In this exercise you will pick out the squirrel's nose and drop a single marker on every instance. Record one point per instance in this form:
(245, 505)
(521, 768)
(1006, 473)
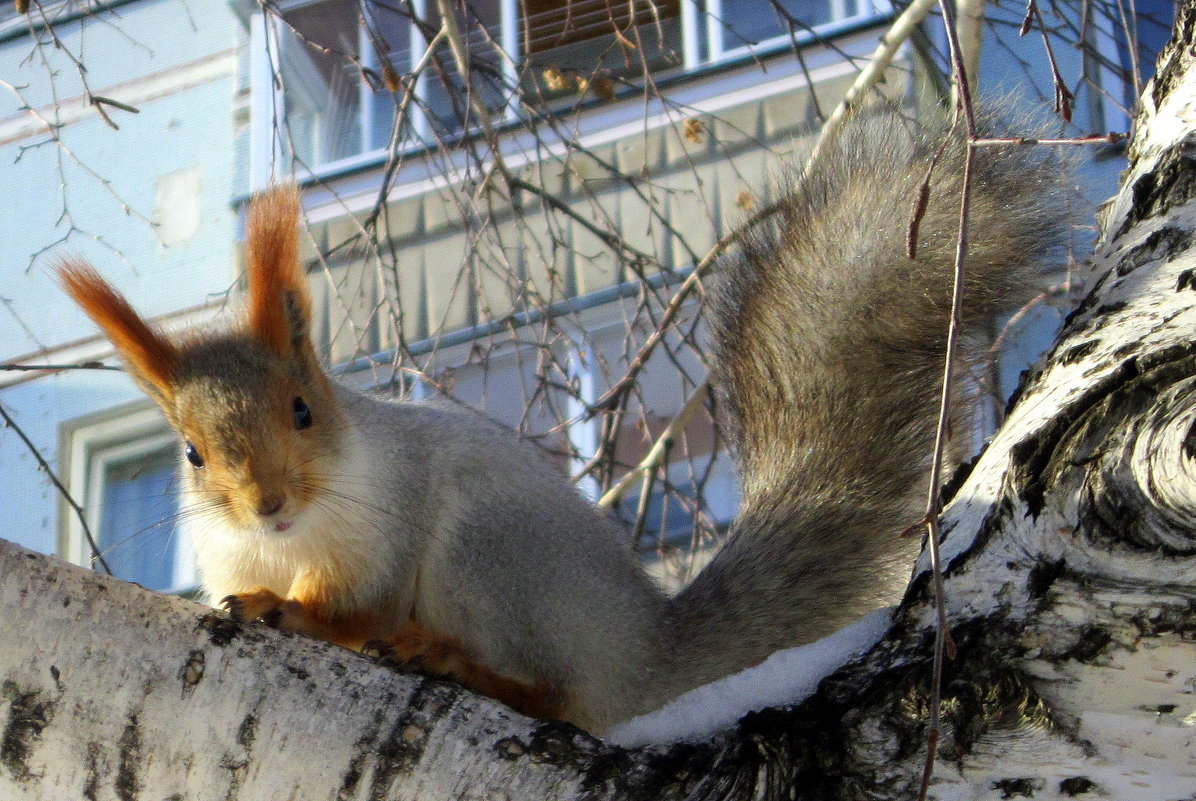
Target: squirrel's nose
(269, 504)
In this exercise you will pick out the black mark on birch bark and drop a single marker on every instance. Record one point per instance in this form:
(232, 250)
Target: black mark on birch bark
(1022, 787)
(220, 630)
(127, 784)
(1076, 785)
(1158, 245)
(363, 748)
(400, 752)
(91, 782)
(191, 673)
(29, 712)
(1077, 352)
(1169, 185)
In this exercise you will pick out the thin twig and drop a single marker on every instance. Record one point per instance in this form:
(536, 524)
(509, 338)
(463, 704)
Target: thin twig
(942, 635)
(96, 556)
(1063, 95)
(1110, 138)
(969, 27)
(54, 367)
(660, 448)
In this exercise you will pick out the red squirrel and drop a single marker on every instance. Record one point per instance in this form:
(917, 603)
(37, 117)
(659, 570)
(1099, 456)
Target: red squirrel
(353, 518)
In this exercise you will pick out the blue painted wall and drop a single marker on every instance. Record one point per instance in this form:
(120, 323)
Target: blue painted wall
(147, 47)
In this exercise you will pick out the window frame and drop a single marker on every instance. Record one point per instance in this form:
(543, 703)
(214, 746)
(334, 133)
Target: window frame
(1113, 100)
(89, 446)
(841, 20)
(723, 497)
(51, 13)
(698, 25)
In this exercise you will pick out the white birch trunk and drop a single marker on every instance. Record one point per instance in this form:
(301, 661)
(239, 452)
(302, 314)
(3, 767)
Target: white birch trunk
(1071, 589)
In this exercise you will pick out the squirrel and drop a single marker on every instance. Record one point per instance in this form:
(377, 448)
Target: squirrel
(420, 531)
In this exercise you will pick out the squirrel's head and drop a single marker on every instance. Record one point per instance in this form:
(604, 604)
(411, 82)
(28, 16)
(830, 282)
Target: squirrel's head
(261, 431)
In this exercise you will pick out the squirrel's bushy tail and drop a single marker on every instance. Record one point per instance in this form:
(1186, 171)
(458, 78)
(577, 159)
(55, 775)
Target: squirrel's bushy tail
(831, 343)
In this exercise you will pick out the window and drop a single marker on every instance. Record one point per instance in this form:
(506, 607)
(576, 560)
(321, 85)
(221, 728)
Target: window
(323, 93)
(1119, 55)
(736, 27)
(1149, 26)
(673, 543)
(579, 37)
(339, 62)
(123, 472)
(341, 59)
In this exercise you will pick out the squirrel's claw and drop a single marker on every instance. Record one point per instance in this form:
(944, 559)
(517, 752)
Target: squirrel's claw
(235, 608)
(258, 604)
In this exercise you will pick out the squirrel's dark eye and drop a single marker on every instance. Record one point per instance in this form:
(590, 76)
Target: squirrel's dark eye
(193, 455)
(302, 415)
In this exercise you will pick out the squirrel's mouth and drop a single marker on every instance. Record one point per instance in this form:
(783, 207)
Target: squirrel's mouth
(282, 525)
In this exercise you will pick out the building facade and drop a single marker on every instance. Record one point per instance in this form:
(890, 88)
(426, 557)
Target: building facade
(511, 240)
(143, 195)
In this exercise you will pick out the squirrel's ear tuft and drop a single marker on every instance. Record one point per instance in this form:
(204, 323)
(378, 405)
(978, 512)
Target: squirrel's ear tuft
(279, 304)
(150, 357)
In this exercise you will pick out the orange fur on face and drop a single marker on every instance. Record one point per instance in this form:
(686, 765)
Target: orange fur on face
(149, 355)
(279, 305)
(251, 448)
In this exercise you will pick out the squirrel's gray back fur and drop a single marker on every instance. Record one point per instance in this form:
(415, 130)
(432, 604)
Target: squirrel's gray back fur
(830, 343)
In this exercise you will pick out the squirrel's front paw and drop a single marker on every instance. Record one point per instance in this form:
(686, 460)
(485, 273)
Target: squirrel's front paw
(256, 604)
